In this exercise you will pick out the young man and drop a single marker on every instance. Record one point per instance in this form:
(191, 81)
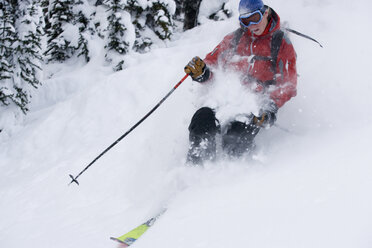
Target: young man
(270, 69)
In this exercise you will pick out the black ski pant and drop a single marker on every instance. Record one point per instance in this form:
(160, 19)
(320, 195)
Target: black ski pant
(236, 140)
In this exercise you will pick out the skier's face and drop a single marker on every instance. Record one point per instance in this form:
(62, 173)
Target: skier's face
(259, 28)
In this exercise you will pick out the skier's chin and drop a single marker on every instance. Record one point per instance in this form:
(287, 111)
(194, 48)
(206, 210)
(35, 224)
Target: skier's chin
(256, 31)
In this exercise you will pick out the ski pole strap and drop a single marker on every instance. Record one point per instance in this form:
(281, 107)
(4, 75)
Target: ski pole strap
(303, 35)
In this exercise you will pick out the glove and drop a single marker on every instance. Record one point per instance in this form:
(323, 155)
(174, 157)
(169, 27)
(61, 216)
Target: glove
(266, 118)
(197, 69)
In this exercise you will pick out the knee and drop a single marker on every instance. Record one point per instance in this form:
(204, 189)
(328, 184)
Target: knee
(237, 128)
(238, 138)
(241, 131)
(204, 122)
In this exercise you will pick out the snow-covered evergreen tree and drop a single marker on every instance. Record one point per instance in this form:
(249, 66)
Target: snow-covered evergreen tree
(160, 18)
(13, 88)
(137, 11)
(45, 7)
(68, 28)
(28, 50)
(118, 43)
(62, 34)
(20, 54)
(152, 19)
(7, 39)
(82, 19)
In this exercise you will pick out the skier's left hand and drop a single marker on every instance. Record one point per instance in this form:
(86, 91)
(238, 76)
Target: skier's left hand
(266, 118)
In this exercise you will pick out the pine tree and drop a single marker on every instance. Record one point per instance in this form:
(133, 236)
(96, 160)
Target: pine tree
(83, 22)
(20, 53)
(62, 34)
(117, 40)
(138, 13)
(8, 38)
(28, 49)
(154, 16)
(45, 7)
(160, 19)
(69, 27)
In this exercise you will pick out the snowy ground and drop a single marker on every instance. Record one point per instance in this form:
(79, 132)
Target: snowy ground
(310, 187)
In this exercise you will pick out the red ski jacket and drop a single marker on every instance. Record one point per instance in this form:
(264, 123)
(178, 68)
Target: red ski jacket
(250, 55)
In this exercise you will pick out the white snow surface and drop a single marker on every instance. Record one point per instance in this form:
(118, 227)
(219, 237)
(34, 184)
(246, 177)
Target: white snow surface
(309, 187)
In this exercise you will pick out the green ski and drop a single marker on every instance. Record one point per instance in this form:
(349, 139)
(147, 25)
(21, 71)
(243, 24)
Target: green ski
(130, 237)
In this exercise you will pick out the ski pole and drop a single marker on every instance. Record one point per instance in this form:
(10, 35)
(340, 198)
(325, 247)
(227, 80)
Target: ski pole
(303, 35)
(74, 179)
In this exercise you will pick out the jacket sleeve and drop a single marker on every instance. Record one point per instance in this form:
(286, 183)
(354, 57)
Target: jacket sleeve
(286, 79)
(213, 58)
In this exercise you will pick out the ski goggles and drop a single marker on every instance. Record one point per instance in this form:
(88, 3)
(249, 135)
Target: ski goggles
(254, 17)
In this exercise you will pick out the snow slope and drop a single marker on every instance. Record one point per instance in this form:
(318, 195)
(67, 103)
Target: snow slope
(310, 187)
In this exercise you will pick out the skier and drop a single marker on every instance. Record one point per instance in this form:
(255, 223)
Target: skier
(266, 61)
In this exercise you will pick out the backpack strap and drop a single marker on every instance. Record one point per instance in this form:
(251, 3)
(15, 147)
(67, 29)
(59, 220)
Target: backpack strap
(237, 36)
(276, 42)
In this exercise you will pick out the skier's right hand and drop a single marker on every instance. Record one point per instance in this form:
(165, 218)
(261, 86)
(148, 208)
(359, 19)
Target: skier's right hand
(197, 69)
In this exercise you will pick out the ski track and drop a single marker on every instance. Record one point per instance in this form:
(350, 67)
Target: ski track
(309, 187)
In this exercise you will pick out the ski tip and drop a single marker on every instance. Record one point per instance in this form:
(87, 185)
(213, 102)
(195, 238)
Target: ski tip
(73, 180)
